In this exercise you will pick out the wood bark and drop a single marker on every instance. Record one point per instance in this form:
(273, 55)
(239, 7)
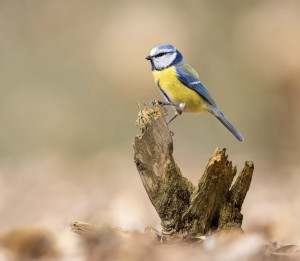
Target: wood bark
(184, 209)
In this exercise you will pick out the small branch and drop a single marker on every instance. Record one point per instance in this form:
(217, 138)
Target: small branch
(82, 228)
(92, 232)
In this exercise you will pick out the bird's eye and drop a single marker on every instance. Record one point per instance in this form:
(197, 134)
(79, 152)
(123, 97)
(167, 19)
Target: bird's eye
(160, 54)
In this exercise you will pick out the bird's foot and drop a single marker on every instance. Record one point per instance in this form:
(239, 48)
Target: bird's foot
(152, 102)
(162, 104)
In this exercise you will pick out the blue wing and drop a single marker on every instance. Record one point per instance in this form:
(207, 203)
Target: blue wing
(194, 84)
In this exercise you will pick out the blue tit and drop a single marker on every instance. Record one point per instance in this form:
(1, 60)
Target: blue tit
(180, 85)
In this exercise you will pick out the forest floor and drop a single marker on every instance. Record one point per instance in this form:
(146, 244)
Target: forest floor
(41, 197)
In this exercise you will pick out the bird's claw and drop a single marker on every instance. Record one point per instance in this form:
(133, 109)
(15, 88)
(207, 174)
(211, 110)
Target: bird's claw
(172, 133)
(166, 110)
(161, 104)
(152, 102)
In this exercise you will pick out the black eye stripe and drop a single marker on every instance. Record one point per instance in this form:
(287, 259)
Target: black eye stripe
(160, 54)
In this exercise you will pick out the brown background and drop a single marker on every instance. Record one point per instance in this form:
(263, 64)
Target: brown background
(71, 73)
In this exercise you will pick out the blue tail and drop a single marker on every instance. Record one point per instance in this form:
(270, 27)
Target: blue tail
(226, 123)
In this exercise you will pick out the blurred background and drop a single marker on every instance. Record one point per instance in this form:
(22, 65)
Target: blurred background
(72, 72)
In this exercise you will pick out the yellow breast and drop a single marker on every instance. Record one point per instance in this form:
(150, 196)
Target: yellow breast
(168, 81)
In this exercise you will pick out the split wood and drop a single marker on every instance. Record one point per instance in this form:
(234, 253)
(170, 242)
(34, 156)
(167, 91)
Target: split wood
(185, 210)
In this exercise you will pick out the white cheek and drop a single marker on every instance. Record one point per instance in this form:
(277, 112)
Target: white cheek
(164, 61)
(172, 57)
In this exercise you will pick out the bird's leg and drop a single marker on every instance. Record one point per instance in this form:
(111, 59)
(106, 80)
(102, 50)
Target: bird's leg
(163, 104)
(159, 102)
(172, 118)
(179, 109)
(165, 109)
(177, 113)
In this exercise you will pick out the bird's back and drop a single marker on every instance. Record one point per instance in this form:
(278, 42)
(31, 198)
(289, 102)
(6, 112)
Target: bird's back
(188, 69)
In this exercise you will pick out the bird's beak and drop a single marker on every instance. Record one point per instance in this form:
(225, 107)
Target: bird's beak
(148, 57)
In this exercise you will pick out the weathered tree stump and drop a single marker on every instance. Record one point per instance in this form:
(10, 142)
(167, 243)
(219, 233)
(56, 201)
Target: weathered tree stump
(186, 210)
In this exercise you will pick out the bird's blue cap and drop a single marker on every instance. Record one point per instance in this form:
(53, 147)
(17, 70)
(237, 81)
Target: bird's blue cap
(166, 46)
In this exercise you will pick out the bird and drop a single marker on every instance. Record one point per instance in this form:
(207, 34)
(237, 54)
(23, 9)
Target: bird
(180, 86)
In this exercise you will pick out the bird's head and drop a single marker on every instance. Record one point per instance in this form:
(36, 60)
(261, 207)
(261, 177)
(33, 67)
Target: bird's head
(164, 56)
